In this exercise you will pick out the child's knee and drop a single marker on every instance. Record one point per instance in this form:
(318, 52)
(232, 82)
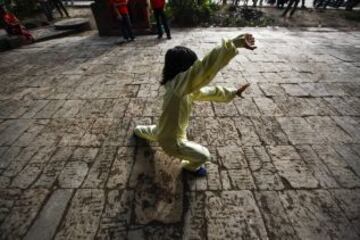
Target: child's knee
(206, 156)
(137, 131)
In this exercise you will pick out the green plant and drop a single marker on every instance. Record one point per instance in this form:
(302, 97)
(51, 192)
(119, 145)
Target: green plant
(21, 8)
(191, 12)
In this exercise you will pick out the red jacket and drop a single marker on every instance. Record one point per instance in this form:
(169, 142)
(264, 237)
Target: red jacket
(10, 19)
(157, 4)
(121, 6)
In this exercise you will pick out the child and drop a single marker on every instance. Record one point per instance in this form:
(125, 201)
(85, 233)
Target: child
(185, 78)
(122, 13)
(158, 8)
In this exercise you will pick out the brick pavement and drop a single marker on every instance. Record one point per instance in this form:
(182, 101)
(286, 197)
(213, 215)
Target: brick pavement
(286, 158)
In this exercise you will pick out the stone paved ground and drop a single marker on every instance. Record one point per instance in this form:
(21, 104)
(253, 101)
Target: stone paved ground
(286, 158)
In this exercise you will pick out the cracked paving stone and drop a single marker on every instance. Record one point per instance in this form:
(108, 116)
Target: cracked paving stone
(272, 89)
(156, 232)
(31, 133)
(83, 216)
(50, 109)
(202, 109)
(320, 170)
(24, 211)
(266, 176)
(69, 109)
(292, 168)
(293, 106)
(54, 167)
(121, 168)
(231, 157)
(350, 156)
(315, 215)
(15, 129)
(225, 109)
(97, 133)
(158, 188)
(46, 223)
(7, 201)
(247, 132)
(299, 131)
(8, 156)
(327, 128)
(343, 106)
(153, 107)
(116, 216)
(340, 169)
(213, 177)
(294, 90)
(348, 201)
(269, 131)
(99, 172)
(233, 215)
(351, 125)
(278, 224)
(246, 107)
(33, 168)
(195, 224)
(268, 107)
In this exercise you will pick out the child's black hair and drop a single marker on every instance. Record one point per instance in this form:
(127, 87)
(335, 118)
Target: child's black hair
(177, 60)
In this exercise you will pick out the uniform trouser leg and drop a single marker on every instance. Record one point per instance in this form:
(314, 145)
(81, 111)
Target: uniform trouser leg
(295, 7)
(291, 2)
(164, 22)
(126, 27)
(56, 5)
(61, 6)
(47, 10)
(193, 155)
(158, 23)
(147, 132)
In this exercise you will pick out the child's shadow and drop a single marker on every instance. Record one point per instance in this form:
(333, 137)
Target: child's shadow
(158, 187)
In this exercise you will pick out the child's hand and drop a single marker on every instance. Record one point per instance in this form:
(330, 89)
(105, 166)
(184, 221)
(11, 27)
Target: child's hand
(245, 41)
(242, 89)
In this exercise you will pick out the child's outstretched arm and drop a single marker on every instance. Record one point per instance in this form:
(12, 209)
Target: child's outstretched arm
(218, 94)
(203, 71)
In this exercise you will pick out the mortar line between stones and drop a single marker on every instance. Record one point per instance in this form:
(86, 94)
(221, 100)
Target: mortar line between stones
(27, 162)
(261, 214)
(63, 217)
(322, 161)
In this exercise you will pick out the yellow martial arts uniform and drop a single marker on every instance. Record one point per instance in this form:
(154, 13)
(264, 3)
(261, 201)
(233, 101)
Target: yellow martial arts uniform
(180, 94)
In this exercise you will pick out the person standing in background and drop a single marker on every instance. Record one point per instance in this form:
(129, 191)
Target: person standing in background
(60, 7)
(289, 6)
(122, 13)
(46, 8)
(158, 8)
(13, 26)
(69, 1)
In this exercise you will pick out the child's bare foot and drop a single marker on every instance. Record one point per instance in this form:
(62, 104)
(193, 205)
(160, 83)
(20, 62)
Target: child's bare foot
(242, 89)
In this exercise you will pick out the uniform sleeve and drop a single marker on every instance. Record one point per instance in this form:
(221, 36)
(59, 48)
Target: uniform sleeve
(216, 94)
(202, 72)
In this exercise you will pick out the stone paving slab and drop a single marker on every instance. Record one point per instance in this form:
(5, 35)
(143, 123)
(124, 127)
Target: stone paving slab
(285, 158)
